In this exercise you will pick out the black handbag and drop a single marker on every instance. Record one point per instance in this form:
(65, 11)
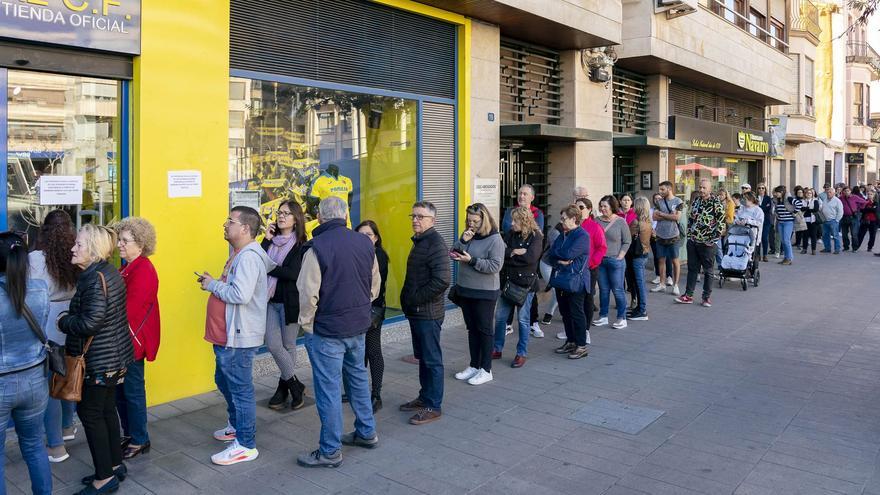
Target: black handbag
(635, 247)
(377, 316)
(54, 351)
(454, 296)
(515, 293)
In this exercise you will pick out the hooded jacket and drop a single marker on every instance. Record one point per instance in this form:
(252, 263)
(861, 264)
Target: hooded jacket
(246, 294)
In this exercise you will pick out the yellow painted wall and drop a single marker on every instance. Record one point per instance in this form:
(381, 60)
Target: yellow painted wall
(180, 122)
(824, 72)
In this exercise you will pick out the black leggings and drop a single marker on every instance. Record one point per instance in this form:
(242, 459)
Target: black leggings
(809, 237)
(97, 411)
(479, 316)
(868, 228)
(373, 357)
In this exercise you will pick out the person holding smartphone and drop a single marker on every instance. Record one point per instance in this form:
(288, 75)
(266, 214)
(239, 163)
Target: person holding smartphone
(480, 254)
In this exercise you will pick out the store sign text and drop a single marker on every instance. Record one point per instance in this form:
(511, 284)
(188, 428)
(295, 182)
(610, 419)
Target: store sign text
(111, 25)
(706, 145)
(753, 143)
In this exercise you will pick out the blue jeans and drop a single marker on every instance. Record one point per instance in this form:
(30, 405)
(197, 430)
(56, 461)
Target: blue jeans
(131, 402)
(766, 241)
(59, 415)
(331, 359)
(641, 283)
(426, 348)
(23, 398)
(234, 377)
(785, 230)
(830, 228)
(502, 311)
(611, 273)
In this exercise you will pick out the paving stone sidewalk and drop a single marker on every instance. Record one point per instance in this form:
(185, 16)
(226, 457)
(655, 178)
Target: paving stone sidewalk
(773, 390)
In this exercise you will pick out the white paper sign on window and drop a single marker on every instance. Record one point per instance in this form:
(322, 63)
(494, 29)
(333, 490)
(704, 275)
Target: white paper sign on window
(487, 191)
(61, 189)
(185, 184)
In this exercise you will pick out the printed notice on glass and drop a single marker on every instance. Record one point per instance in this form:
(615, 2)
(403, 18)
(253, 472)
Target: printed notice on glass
(61, 189)
(185, 184)
(487, 191)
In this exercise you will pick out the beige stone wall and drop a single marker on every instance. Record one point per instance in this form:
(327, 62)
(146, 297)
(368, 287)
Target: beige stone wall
(599, 17)
(706, 43)
(485, 99)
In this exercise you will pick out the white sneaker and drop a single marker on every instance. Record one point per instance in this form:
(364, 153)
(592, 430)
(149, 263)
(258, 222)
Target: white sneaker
(675, 291)
(233, 454)
(619, 324)
(700, 277)
(57, 454)
(561, 336)
(656, 280)
(598, 322)
(659, 288)
(668, 280)
(536, 331)
(467, 374)
(777, 255)
(226, 434)
(508, 330)
(69, 433)
(481, 377)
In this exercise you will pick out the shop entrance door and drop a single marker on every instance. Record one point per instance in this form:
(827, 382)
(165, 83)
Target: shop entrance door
(524, 163)
(59, 125)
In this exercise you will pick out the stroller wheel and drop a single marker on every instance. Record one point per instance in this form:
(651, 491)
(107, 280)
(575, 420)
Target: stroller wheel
(720, 281)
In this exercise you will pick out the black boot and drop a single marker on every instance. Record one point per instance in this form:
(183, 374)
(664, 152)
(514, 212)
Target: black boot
(296, 392)
(377, 401)
(279, 400)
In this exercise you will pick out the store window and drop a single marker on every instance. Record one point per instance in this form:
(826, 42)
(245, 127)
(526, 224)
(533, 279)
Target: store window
(62, 126)
(723, 172)
(305, 144)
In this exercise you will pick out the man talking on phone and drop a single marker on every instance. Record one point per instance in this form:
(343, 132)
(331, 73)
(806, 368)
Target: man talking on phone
(236, 325)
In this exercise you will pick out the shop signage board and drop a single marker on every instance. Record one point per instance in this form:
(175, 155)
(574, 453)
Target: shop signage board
(108, 25)
(721, 138)
(61, 190)
(488, 192)
(855, 158)
(185, 184)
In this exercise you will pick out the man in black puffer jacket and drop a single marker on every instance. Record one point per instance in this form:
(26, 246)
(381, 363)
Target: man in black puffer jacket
(427, 278)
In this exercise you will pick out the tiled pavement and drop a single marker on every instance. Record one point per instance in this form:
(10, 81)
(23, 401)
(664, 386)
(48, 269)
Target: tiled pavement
(773, 390)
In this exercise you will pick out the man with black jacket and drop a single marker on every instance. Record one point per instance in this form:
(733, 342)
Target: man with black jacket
(427, 278)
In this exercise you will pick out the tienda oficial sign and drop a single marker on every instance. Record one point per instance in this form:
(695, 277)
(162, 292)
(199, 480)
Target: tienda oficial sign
(108, 25)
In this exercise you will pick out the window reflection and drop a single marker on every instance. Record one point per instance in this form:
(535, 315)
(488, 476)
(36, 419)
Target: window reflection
(723, 172)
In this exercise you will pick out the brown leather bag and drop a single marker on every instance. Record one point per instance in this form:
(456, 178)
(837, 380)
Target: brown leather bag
(69, 386)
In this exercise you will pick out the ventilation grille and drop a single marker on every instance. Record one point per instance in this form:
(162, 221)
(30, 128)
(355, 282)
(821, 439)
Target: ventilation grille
(438, 165)
(344, 41)
(531, 84)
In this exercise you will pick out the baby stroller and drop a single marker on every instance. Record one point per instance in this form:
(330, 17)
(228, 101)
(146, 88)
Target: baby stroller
(741, 259)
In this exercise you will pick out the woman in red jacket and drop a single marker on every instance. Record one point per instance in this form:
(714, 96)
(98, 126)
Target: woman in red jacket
(137, 241)
(598, 248)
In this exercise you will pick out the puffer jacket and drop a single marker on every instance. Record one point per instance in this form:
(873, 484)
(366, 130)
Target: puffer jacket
(427, 277)
(105, 318)
(521, 269)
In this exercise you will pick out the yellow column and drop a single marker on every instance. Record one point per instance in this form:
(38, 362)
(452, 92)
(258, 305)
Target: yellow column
(180, 122)
(824, 72)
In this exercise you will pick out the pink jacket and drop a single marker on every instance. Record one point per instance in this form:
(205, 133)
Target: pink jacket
(598, 247)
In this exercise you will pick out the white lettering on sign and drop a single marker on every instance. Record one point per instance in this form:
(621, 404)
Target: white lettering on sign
(57, 17)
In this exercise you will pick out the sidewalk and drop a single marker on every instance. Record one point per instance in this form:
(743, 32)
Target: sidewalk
(773, 390)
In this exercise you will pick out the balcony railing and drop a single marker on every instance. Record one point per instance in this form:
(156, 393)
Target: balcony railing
(799, 110)
(732, 16)
(805, 17)
(860, 52)
(630, 103)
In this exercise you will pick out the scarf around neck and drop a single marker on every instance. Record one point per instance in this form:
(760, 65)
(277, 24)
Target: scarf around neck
(280, 248)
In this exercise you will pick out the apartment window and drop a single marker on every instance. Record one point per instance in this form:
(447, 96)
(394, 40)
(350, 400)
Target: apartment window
(777, 33)
(858, 107)
(792, 173)
(827, 171)
(236, 90)
(236, 119)
(809, 77)
(757, 25)
(728, 10)
(325, 123)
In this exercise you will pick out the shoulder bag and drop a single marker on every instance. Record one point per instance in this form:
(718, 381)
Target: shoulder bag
(635, 247)
(681, 234)
(69, 386)
(54, 351)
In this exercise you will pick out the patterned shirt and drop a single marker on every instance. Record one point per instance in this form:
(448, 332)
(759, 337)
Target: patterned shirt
(706, 220)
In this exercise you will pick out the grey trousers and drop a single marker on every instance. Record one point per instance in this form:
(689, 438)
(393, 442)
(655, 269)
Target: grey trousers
(281, 340)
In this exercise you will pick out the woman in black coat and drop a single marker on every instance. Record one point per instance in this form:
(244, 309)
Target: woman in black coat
(373, 343)
(283, 243)
(96, 324)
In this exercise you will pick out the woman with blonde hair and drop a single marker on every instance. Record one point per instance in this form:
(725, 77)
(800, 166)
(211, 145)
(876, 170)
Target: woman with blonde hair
(96, 326)
(136, 243)
(480, 254)
(524, 243)
(638, 255)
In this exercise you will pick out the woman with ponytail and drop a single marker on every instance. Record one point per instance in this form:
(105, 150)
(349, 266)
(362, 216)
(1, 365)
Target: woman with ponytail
(24, 388)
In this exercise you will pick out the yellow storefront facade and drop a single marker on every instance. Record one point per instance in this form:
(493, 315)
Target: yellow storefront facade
(168, 104)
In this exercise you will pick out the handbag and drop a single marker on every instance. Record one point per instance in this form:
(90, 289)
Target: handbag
(454, 296)
(515, 293)
(635, 247)
(377, 316)
(568, 281)
(69, 386)
(134, 334)
(54, 351)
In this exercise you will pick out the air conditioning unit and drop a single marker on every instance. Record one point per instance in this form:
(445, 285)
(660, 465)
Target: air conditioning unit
(676, 8)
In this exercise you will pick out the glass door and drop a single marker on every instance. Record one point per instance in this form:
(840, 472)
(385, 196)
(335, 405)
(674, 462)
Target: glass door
(58, 125)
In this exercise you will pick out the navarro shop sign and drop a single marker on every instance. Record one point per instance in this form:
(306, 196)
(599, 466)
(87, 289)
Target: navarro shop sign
(753, 143)
(108, 25)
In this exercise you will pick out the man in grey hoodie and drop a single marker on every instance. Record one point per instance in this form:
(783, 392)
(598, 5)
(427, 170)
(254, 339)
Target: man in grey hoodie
(236, 325)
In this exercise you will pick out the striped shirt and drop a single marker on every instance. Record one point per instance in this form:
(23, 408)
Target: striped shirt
(782, 212)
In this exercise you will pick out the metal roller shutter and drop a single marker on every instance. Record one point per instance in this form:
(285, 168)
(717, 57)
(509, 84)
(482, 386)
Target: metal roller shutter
(344, 41)
(438, 165)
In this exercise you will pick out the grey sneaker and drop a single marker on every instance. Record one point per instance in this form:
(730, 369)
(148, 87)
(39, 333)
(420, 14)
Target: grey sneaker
(317, 459)
(355, 440)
